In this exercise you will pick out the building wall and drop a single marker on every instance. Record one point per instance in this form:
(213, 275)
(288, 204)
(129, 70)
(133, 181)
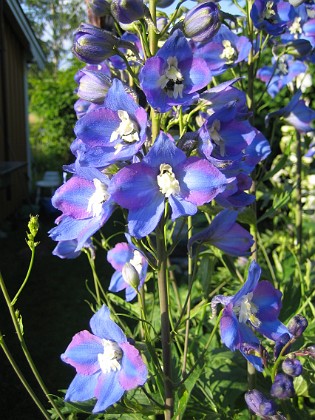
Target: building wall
(13, 135)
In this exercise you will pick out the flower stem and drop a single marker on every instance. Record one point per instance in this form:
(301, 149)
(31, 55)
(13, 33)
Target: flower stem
(26, 277)
(298, 216)
(26, 352)
(165, 322)
(22, 379)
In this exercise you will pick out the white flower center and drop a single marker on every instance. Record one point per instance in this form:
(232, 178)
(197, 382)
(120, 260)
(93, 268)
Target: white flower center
(109, 360)
(269, 12)
(172, 80)
(215, 136)
(282, 68)
(229, 52)
(166, 180)
(128, 130)
(295, 29)
(97, 199)
(246, 310)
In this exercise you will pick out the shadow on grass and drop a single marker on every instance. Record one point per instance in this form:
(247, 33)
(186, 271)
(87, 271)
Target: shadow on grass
(53, 309)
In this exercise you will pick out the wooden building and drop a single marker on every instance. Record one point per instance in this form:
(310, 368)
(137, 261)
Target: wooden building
(18, 47)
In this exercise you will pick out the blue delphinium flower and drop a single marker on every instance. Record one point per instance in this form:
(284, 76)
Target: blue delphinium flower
(272, 16)
(255, 306)
(112, 132)
(173, 76)
(225, 234)
(296, 113)
(106, 364)
(85, 205)
(165, 173)
(283, 71)
(126, 253)
(225, 50)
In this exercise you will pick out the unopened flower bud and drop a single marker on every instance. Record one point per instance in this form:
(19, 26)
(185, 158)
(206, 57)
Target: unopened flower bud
(130, 275)
(297, 325)
(298, 48)
(202, 22)
(33, 225)
(93, 86)
(292, 367)
(127, 11)
(164, 3)
(259, 404)
(282, 387)
(93, 45)
(99, 7)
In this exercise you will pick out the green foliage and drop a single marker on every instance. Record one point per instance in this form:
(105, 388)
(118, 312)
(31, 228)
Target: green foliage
(52, 118)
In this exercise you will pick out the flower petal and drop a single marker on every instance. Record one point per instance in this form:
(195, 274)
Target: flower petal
(108, 391)
(82, 353)
(134, 371)
(82, 388)
(104, 327)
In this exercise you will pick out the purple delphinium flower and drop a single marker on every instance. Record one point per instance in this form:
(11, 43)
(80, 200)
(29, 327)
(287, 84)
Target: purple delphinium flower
(121, 254)
(164, 173)
(297, 114)
(85, 205)
(297, 325)
(173, 76)
(282, 72)
(118, 62)
(282, 387)
(225, 234)
(225, 50)
(114, 131)
(255, 306)
(272, 16)
(106, 364)
(259, 404)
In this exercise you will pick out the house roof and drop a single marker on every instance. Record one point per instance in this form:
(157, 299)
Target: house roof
(21, 25)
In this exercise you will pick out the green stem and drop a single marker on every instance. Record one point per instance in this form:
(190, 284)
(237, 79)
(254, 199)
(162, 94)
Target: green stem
(165, 322)
(22, 379)
(190, 273)
(97, 285)
(24, 347)
(26, 277)
(298, 215)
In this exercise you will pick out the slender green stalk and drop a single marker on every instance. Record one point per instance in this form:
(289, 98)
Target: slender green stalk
(190, 273)
(298, 215)
(26, 277)
(97, 285)
(165, 321)
(22, 379)
(24, 347)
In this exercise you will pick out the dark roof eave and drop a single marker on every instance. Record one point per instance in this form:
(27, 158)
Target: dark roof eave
(28, 33)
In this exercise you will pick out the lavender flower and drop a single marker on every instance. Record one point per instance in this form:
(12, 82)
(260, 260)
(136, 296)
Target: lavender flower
(272, 16)
(292, 367)
(255, 306)
(121, 257)
(106, 364)
(173, 76)
(164, 174)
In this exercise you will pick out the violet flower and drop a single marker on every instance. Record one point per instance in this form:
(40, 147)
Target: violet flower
(126, 253)
(272, 16)
(114, 131)
(282, 387)
(225, 234)
(296, 113)
(255, 306)
(106, 364)
(173, 76)
(165, 173)
(85, 205)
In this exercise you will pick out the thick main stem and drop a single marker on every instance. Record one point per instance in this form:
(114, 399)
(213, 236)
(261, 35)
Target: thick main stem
(165, 323)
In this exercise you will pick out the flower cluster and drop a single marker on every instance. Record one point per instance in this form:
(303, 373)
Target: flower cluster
(160, 136)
